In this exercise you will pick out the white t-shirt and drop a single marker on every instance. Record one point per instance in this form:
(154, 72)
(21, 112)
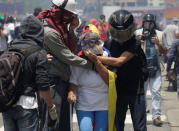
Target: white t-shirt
(8, 28)
(27, 102)
(92, 92)
(170, 35)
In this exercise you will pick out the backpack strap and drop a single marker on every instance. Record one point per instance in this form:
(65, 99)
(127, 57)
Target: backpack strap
(26, 51)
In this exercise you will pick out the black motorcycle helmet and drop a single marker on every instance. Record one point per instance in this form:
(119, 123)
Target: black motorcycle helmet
(148, 24)
(121, 25)
(149, 18)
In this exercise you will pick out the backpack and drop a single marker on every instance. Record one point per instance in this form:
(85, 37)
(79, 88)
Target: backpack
(11, 68)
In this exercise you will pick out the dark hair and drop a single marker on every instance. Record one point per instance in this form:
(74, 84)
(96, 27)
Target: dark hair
(37, 11)
(10, 19)
(102, 17)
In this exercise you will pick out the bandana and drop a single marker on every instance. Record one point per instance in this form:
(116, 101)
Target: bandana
(59, 19)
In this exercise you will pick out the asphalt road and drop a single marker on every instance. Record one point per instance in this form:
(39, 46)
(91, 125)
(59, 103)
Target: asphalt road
(170, 112)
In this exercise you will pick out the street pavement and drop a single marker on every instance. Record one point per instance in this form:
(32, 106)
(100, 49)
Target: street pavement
(170, 112)
(169, 107)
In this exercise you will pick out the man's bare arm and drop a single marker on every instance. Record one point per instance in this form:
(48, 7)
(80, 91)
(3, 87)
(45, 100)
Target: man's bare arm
(117, 62)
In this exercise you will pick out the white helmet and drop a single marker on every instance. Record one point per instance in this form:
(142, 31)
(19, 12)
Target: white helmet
(70, 5)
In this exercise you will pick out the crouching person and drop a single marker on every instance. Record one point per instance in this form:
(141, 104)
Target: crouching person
(23, 115)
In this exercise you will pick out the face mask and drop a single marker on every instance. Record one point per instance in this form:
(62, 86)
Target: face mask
(97, 49)
(147, 29)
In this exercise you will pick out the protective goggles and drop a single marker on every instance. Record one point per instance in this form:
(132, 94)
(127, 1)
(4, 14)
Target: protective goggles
(86, 44)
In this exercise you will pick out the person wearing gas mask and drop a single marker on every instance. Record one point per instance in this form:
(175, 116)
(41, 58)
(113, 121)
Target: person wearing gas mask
(126, 58)
(151, 42)
(89, 88)
(60, 41)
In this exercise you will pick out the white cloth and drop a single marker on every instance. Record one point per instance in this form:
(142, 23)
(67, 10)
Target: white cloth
(27, 102)
(8, 29)
(170, 35)
(92, 92)
(159, 34)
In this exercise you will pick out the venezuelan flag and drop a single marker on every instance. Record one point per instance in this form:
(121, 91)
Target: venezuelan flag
(112, 101)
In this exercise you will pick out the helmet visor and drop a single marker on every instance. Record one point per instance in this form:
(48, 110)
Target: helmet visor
(122, 36)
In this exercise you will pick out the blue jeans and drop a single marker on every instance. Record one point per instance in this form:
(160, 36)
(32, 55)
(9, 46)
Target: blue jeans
(154, 85)
(138, 112)
(86, 118)
(19, 119)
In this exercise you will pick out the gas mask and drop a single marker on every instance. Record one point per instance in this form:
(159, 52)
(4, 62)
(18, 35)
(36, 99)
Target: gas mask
(95, 47)
(148, 29)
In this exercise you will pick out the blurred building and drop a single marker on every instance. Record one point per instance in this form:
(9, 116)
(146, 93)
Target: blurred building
(121, 2)
(172, 3)
(156, 2)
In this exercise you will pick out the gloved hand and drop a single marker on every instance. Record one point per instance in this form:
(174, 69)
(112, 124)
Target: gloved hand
(53, 116)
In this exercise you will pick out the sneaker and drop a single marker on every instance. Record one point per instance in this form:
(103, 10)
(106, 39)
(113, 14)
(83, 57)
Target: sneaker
(157, 122)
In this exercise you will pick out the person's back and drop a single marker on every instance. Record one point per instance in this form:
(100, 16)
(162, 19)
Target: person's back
(170, 34)
(34, 78)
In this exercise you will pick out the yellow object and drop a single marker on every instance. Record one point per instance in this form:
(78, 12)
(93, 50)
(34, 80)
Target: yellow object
(112, 101)
(93, 28)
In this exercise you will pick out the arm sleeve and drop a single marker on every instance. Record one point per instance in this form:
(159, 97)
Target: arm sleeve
(42, 79)
(171, 53)
(56, 47)
(132, 47)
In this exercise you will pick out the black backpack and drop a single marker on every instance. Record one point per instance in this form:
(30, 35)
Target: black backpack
(11, 68)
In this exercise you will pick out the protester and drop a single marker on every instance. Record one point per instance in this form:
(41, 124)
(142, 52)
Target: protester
(93, 21)
(130, 81)
(103, 28)
(173, 56)
(90, 89)
(3, 43)
(23, 116)
(170, 33)
(9, 28)
(151, 42)
(61, 42)
(37, 10)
